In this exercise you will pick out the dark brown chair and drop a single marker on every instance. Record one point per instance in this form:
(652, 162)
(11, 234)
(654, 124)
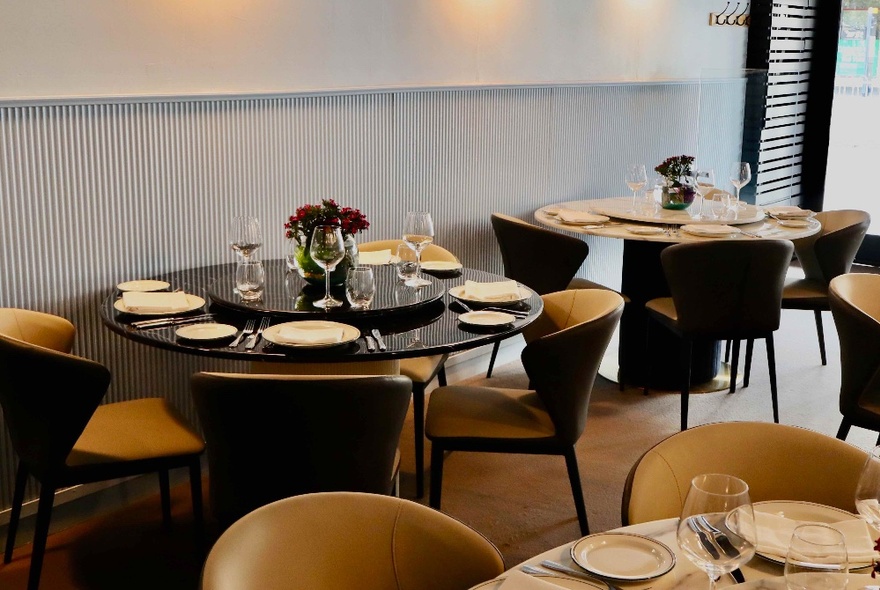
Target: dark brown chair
(62, 434)
(273, 436)
(824, 256)
(524, 253)
(855, 305)
(725, 289)
(561, 358)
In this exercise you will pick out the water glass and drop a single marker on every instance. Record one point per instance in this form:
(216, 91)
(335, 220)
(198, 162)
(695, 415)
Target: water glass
(816, 559)
(360, 286)
(407, 263)
(249, 279)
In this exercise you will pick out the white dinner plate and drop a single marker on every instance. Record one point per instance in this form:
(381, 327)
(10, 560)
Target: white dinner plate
(623, 556)
(207, 331)
(486, 318)
(580, 217)
(644, 230)
(794, 222)
(441, 265)
(349, 333)
(145, 285)
(789, 212)
(557, 580)
(706, 230)
(551, 210)
(194, 301)
(458, 293)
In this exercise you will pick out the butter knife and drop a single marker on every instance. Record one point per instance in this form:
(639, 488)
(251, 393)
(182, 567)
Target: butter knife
(158, 323)
(371, 344)
(378, 336)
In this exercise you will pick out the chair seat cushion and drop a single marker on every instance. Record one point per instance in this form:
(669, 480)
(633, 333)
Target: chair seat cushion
(472, 412)
(421, 369)
(135, 430)
(805, 294)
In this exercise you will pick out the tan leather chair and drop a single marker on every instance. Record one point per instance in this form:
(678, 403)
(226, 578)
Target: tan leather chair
(524, 249)
(422, 370)
(725, 289)
(341, 540)
(778, 462)
(64, 437)
(562, 355)
(824, 256)
(855, 304)
(316, 433)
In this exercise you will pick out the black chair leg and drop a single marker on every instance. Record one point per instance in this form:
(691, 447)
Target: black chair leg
(734, 366)
(492, 359)
(419, 432)
(195, 486)
(750, 347)
(820, 331)
(577, 491)
(15, 513)
(843, 431)
(441, 377)
(165, 495)
(771, 362)
(685, 352)
(41, 534)
(436, 475)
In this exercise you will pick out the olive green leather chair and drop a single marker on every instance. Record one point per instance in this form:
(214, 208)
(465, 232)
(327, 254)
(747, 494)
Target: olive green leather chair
(341, 540)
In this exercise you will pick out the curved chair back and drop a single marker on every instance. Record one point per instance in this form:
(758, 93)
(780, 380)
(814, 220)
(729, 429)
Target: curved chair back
(524, 253)
(327, 541)
(855, 305)
(317, 433)
(36, 327)
(731, 289)
(431, 251)
(43, 416)
(779, 462)
(830, 252)
(563, 362)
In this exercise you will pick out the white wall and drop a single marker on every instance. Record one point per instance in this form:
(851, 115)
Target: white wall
(96, 48)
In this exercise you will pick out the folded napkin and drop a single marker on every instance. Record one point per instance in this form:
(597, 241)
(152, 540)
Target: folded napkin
(517, 580)
(294, 335)
(716, 194)
(497, 291)
(570, 216)
(377, 257)
(155, 302)
(440, 265)
(709, 229)
(774, 535)
(788, 212)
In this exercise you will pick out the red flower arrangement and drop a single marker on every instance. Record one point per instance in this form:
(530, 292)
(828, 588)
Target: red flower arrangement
(674, 168)
(307, 217)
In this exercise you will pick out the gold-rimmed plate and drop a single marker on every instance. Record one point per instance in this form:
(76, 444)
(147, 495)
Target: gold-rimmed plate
(459, 293)
(194, 302)
(318, 327)
(623, 556)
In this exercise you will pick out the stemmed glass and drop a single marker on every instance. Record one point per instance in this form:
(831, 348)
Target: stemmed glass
(418, 232)
(816, 559)
(717, 507)
(327, 250)
(740, 175)
(636, 179)
(245, 236)
(705, 181)
(868, 489)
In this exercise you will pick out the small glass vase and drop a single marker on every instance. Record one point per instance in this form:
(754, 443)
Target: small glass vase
(677, 198)
(298, 258)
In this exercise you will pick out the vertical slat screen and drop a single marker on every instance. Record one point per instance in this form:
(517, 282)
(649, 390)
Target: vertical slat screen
(94, 194)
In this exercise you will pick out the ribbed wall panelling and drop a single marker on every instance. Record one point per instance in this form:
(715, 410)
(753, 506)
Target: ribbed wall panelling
(94, 194)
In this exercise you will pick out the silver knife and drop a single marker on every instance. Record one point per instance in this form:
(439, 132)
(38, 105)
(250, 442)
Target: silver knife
(158, 323)
(378, 336)
(371, 344)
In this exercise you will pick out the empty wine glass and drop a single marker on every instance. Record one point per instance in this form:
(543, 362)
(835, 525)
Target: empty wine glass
(418, 232)
(636, 179)
(816, 559)
(327, 250)
(740, 175)
(868, 489)
(717, 526)
(705, 181)
(245, 235)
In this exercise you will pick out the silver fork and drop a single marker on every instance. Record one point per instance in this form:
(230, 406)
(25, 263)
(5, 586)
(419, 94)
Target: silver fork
(252, 341)
(556, 566)
(248, 329)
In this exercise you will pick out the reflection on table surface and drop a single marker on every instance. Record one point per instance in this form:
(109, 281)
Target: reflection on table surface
(413, 322)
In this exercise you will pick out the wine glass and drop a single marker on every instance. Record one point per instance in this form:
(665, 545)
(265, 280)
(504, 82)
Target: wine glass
(705, 181)
(636, 179)
(717, 526)
(418, 232)
(868, 489)
(740, 175)
(327, 250)
(360, 286)
(816, 559)
(245, 235)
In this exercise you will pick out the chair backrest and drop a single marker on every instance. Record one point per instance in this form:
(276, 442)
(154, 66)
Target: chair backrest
(333, 540)
(543, 259)
(855, 304)
(47, 398)
(37, 327)
(562, 362)
(431, 252)
(777, 461)
(830, 252)
(727, 288)
(318, 433)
